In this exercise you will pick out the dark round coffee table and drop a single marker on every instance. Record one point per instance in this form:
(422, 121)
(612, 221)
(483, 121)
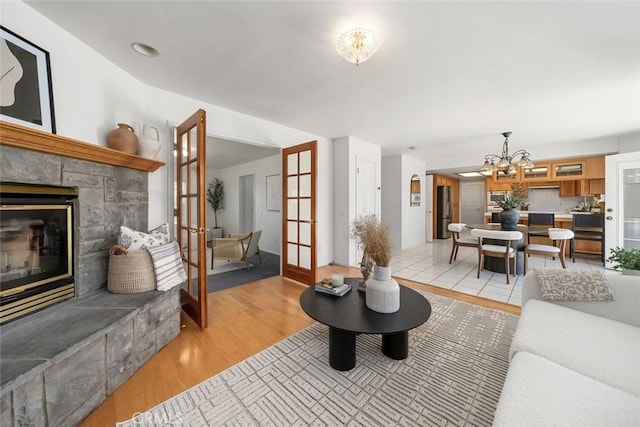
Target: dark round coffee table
(348, 315)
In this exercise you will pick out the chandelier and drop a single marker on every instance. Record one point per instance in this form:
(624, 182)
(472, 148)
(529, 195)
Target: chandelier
(504, 161)
(357, 45)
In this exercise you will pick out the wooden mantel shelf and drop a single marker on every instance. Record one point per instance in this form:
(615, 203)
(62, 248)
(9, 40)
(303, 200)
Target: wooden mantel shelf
(31, 139)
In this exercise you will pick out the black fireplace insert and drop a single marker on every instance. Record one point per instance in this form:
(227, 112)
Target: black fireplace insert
(36, 248)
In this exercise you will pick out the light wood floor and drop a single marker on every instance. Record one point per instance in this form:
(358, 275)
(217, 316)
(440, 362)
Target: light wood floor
(242, 321)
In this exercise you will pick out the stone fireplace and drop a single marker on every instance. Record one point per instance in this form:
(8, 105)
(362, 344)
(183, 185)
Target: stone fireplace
(36, 248)
(59, 363)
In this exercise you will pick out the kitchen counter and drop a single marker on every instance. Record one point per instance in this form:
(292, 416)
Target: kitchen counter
(562, 220)
(558, 215)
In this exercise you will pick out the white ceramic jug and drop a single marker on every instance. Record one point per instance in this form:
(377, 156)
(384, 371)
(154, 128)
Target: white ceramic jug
(149, 142)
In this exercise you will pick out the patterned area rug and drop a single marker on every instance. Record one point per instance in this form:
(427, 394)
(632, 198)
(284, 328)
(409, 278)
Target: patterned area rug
(453, 376)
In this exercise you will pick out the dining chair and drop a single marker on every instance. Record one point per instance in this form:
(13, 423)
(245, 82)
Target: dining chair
(456, 228)
(495, 217)
(497, 250)
(561, 235)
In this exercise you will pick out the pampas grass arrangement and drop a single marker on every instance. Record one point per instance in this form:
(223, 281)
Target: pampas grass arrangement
(374, 238)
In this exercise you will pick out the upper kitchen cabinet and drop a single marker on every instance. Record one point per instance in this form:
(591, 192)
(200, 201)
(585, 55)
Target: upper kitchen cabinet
(574, 169)
(595, 167)
(540, 172)
(499, 177)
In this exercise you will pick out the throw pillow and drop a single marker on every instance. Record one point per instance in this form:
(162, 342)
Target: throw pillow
(573, 285)
(168, 266)
(137, 240)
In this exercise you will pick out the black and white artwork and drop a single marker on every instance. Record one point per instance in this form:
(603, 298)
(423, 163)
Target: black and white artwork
(26, 97)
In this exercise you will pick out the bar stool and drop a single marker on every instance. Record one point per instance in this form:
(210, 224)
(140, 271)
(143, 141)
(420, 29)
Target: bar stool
(588, 227)
(539, 223)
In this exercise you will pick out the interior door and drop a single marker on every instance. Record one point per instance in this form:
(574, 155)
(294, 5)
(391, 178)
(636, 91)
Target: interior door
(365, 197)
(299, 212)
(473, 201)
(191, 214)
(622, 204)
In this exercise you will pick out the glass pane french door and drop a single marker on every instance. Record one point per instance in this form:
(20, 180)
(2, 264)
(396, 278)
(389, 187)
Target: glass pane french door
(299, 212)
(622, 204)
(191, 214)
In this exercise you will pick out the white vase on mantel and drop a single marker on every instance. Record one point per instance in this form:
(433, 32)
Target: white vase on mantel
(149, 142)
(383, 292)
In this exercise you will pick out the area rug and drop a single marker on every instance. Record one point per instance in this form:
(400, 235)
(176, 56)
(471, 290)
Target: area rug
(266, 266)
(452, 377)
(222, 266)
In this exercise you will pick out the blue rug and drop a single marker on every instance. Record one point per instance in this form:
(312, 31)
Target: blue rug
(269, 267)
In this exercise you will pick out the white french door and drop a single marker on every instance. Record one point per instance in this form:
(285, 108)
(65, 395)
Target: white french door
(622, 204)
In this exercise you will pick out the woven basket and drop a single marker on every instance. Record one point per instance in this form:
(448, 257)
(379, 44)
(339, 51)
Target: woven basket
(130, 271)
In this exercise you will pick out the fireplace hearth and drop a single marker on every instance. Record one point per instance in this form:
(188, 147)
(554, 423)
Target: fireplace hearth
(36, 248)
(60, 362)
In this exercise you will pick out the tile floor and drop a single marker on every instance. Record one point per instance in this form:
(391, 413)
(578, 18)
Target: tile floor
(429, 263)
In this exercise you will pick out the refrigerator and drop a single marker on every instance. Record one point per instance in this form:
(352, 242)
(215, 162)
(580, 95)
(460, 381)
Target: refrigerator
(443, 211)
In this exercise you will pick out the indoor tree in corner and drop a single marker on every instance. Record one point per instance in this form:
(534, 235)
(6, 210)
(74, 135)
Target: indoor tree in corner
(215, 197)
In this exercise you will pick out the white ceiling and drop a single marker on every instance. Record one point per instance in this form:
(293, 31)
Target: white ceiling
(456, 73)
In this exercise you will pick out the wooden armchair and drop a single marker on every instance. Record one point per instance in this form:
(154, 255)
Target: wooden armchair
(236, 247)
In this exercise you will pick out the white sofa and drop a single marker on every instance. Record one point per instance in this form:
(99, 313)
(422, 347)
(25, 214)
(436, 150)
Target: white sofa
(575, 363)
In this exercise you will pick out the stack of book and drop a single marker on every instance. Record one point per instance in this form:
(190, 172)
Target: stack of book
(328, 288)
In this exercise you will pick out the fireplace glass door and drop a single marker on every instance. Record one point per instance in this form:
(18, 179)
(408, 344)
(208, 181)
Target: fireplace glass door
(35, 257)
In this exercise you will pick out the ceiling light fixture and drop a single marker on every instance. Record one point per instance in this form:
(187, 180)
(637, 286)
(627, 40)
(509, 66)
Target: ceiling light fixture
(357, 45)
(505, 161)
(144, 49)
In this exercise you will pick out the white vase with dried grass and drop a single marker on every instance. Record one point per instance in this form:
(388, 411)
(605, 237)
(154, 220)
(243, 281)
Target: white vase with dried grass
(382, 292)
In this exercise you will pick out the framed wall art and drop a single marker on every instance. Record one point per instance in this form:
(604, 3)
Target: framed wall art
(26, 97)
(274, 193)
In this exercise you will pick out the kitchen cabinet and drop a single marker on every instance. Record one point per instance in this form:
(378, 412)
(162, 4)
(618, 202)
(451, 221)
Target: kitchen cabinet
(568, 189)
(595, 168)
(596, 186)
(497, 186)
(499, 177)
(540, 172)
(581, 187)
(569, 170)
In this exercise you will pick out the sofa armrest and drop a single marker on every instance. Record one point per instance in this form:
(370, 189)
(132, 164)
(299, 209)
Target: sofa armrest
(625, 306)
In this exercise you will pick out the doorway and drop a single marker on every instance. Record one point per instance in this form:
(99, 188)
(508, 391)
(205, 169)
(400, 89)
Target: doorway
(246, 208)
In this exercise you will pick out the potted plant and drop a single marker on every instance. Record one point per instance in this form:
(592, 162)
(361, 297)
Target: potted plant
(512, 200)
(627, 260)
(383, 292)
(215, 197)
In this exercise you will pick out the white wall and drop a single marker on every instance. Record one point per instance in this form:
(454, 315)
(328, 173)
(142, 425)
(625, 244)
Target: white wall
(92, 94)
(270, 222)
(406, 223)
(629, 143)
(346, 152)
(391, 198)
